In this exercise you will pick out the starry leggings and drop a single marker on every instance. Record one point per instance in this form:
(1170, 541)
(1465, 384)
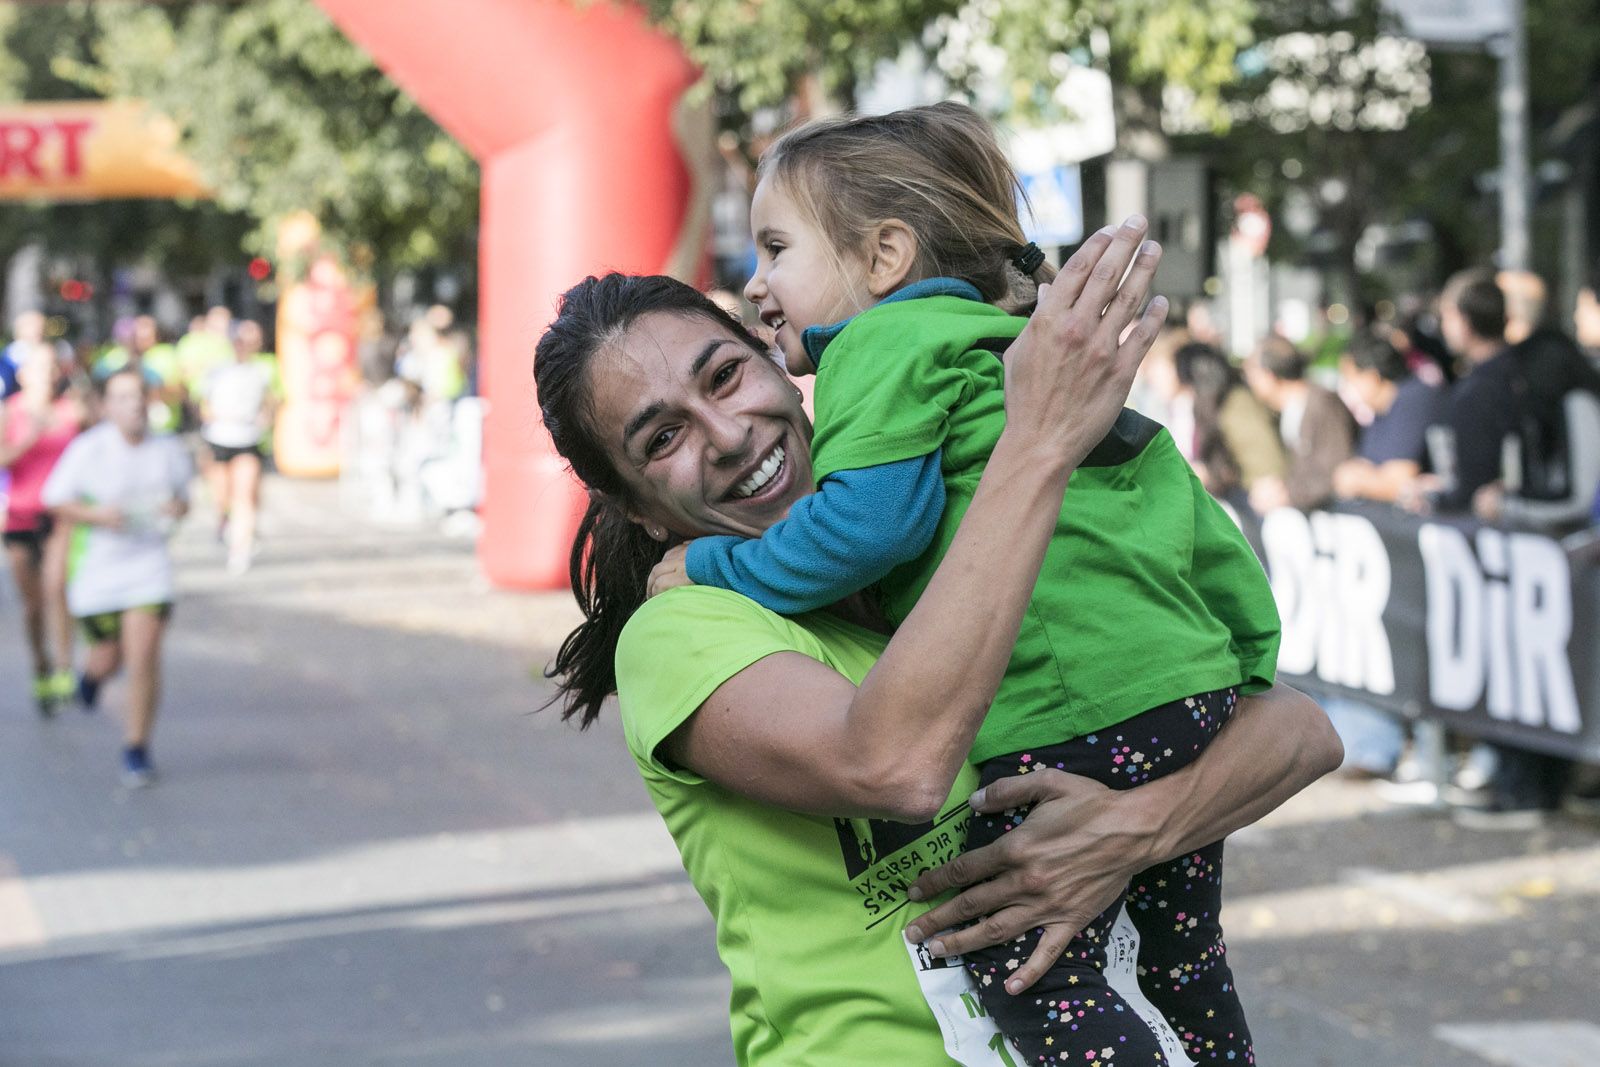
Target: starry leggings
(1072, 1015)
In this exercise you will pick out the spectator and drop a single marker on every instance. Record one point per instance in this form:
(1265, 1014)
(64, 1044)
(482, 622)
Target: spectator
(1389, 455)
(1487, 419)
(1318, 431)
(1586, 319)
(1483, 407)
(1393, 447)
(1220, 427)
(1557, 445)
(28, 332)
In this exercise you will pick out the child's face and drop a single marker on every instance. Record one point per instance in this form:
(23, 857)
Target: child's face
(799, 283)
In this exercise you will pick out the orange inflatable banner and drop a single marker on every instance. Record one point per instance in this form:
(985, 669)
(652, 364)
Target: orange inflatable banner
(316, 358)
(92, 150)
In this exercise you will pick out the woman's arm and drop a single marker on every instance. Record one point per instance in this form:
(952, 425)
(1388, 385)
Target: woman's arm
(1075, 852)
(77, 512)
(792, 732)
(9, 454)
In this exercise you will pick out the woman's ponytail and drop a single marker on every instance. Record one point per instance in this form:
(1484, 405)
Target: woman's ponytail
(611, 561)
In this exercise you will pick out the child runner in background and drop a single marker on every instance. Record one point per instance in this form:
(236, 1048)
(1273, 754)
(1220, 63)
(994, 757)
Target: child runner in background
(123, 489)
(37, 422)
(885, 244)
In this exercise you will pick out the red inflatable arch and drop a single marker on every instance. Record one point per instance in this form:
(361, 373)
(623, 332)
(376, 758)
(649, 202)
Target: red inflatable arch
(569, 108)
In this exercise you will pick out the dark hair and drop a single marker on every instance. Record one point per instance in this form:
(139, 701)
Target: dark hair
(939, 169)
(611, 555)
(1279, 357)
(1207, 371)
(1480, 301)
(127, 370)
(1368, 352)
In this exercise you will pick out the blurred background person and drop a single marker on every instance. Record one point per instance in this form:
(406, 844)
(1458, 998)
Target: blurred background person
(28, 334)
(236, 409)
(37, 422)
(1481, 409)
(1551, 474)
(140, 345)
(124, 488)
(1317, 430)
(1220, 427)
(1391, 450)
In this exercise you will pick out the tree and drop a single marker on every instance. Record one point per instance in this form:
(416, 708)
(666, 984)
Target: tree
(282, 113)
(38, 42)
(1338, 124)
(763, 54)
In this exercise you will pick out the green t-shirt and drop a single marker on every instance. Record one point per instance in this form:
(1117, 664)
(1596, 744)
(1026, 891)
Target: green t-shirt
(809, 909)
(198, 354)
(1148, 592)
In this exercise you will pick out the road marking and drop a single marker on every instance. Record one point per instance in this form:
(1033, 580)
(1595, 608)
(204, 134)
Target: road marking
(1554, 1043)
(594, 855)
(20, 926)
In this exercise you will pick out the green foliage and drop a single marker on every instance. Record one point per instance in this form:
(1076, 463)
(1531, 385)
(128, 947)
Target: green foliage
(1426, 162)
(38, 43)
(761, 52)
(281, 113)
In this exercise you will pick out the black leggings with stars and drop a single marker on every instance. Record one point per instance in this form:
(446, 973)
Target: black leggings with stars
(1074, 1014)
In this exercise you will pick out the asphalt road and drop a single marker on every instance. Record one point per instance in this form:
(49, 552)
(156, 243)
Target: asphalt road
(367, 848)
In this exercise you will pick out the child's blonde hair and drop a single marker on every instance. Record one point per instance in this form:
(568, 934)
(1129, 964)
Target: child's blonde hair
(938, 169)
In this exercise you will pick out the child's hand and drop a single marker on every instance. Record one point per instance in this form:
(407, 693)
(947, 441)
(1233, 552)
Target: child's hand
(671, 572)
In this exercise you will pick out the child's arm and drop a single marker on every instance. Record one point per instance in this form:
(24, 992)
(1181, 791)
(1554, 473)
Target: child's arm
(857, 526)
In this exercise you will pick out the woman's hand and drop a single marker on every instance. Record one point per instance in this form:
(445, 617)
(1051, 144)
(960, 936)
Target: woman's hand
(1071, 859)
(1087, 841)
(671, 572)
(1070, 369)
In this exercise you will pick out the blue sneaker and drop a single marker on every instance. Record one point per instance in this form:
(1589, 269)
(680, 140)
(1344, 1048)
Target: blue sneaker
(136, 769)
(88, 691)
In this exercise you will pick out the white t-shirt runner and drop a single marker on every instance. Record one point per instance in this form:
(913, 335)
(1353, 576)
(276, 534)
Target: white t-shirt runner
(236, 398)
(114, 570)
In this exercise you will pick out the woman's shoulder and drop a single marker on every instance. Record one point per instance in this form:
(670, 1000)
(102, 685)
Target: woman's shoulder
(691, 624)
(677, 649)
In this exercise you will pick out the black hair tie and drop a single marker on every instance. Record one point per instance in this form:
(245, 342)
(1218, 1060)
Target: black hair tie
(1028, 258)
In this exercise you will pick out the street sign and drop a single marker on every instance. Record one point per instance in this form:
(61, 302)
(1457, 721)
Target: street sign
(1452, 22)
(1056, 197)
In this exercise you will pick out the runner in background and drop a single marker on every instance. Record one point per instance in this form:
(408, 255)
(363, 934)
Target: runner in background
(236, 404)
(123, 488)
(37, 423)
(140, 344)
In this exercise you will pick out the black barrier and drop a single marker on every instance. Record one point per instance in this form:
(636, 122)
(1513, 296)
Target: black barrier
(1495, 632)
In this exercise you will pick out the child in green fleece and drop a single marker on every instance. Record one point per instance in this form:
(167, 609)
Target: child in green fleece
(885, 245)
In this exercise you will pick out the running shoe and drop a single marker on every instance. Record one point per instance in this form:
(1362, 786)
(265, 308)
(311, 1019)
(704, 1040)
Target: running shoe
(63, 685)
(88, 691)
(136, 769)
(44, 695)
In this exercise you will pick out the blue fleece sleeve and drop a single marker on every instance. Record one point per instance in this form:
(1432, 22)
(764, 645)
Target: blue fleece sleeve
(857, 526)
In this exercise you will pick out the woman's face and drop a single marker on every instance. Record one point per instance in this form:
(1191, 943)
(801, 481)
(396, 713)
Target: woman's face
(708, 435)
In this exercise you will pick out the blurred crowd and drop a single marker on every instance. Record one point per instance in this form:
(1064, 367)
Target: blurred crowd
(1474, 403)
(98, 447)
(413, 444)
